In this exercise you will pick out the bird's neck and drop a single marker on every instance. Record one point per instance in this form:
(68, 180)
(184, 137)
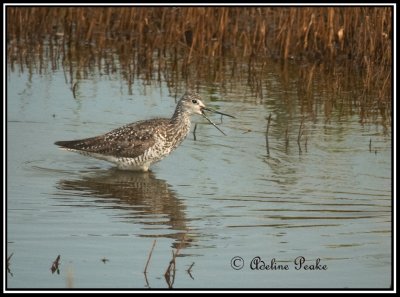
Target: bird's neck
(180, 117)
(181, 121)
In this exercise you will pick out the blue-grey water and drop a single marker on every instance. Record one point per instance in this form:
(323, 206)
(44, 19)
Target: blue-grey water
(214, 199)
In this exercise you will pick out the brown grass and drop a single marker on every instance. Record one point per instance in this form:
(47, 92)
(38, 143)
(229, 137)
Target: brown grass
(361, 35)
(209, 44)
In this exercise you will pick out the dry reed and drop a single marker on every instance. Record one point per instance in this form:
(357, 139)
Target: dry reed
(210, 44)
(357, 35)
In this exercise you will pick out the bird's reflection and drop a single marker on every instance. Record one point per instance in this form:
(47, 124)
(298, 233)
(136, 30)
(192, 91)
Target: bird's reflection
(149, 201)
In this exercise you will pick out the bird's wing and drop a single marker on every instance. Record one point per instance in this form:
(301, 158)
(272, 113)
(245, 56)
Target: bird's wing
(128, 141)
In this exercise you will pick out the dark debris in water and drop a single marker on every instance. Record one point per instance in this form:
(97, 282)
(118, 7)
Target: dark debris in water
(55, 266)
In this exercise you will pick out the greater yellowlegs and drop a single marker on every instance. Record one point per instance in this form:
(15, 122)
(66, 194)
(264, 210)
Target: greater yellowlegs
(138, 145)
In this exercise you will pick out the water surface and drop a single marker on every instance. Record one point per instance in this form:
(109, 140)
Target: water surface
(215, 198)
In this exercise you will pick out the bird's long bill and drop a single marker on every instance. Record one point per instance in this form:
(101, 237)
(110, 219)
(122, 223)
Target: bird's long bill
(211, 122)
(221, 113)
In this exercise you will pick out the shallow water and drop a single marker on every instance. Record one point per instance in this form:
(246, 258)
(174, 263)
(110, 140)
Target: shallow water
(214, 199)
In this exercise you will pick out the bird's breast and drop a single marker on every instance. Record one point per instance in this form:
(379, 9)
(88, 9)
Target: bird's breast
(177, 132)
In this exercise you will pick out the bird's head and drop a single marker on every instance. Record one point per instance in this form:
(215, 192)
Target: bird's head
(191, 103)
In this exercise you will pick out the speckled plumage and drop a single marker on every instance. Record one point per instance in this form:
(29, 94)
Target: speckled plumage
(138, 145)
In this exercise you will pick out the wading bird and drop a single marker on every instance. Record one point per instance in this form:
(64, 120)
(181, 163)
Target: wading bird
(138, 145)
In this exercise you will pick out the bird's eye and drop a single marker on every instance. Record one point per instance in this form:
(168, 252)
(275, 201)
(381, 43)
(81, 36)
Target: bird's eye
(194, 101)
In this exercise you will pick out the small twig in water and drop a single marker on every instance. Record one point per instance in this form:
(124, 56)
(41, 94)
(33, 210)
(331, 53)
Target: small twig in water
(370, 145)
(266, 134)
(148, 258)
(189, 271)
(147, 263)
(74, 89)
(8, 264)
(300, 134)
(287, 138)
(171, 269)
(55, 267)
(305, 144)
(194, 132)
